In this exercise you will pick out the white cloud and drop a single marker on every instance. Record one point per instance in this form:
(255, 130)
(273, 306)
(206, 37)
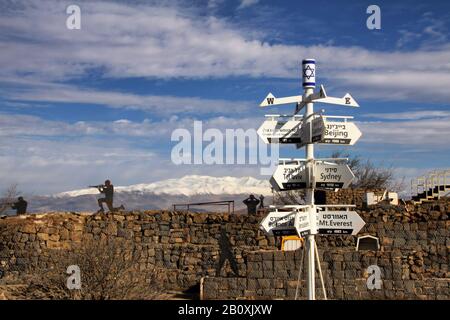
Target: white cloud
(168, 41)
(421, 130)
(50, 156)
(410, 115)
(51, 166)
(14, 125)
(214, 4)
(428, 31)
(431, 134)
(247, 3)
(46, 156)
(161, 105)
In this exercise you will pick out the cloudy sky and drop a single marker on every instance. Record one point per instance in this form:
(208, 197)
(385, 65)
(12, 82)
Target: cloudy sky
(79, 106)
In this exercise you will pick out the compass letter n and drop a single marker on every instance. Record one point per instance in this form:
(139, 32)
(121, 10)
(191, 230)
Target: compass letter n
(374, 20)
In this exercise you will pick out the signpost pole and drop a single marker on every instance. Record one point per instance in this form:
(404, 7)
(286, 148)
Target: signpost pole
(309, 70)
(308, 173)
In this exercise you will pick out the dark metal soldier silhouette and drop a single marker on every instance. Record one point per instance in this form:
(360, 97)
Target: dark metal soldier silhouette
(251, 202)
(108, 190)
(20, 206)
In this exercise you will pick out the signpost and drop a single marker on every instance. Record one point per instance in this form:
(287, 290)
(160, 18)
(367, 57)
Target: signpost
(303, 224)
(312, 131)
(331, 175)
(279, 223)
(339, 222)
(270, 100)
(309, 173)
(292, 174)
(322, 130)
(340, 132)
(278, 130)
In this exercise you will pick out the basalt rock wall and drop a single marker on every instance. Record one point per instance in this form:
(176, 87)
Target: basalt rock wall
(414, 248)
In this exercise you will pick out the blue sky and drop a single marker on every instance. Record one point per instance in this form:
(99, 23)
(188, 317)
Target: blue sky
(78, 106)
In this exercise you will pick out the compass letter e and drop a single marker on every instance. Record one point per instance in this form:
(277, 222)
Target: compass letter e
(374, 20)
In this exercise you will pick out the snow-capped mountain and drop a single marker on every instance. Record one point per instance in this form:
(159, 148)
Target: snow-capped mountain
(189, 186)
(159, 195)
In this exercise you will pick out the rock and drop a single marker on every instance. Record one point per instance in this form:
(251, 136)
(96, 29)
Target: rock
(28, 228)
(76, 236)
(42, 236)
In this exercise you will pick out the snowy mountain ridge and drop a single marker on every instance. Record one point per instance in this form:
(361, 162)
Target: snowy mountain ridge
(188, 186)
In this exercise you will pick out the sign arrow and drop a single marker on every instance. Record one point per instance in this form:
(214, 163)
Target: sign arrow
(272, 100)
(279, 223)
(339, 132)
(290, 176)
(331, 175)
(346, 100)
(339, 222)
(329, 132)
(302, 224)
(321, 96)
(311, 132)
(293, 175)
(275, 130)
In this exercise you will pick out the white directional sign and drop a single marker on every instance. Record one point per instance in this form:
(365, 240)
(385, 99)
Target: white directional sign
(271, 100)
(312, 131)
(279, 223)
(311, 174)
(320, 96)
(328, 132)
(346, 100)
(290, 176)
(293, 175)
(339, 222)
(277, 129)
(302, 224)
(331, 175)
(338, 132)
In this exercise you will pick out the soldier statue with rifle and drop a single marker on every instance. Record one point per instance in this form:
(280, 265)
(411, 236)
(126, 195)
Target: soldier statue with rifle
(108, 190)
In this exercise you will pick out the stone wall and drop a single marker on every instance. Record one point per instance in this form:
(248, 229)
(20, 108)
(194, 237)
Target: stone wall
(186, 245)
(349, 196)
(414, 250)
(273, 275)
(413, 258)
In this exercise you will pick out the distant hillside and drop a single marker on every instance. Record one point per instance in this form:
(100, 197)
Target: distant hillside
(189, 186)
(159, 195)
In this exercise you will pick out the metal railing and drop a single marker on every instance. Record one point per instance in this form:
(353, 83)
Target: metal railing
(434, 184)
(228, 203)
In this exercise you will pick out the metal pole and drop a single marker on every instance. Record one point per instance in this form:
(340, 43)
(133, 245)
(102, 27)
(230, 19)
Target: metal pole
(309, 70)
(320, 273)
